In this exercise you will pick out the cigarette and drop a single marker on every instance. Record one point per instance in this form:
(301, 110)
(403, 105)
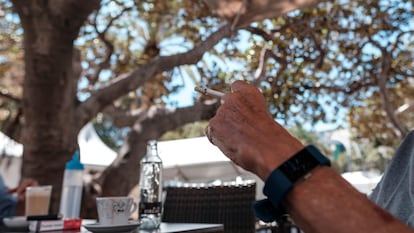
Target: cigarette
(208, 91)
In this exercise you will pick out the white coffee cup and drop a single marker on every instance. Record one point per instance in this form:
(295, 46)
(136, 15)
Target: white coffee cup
(115, 210)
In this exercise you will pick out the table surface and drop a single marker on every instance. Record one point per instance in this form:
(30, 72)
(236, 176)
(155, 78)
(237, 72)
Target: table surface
(187, 227)
(164, 228)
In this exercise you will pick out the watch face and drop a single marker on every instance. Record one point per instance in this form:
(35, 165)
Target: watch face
(299, 165)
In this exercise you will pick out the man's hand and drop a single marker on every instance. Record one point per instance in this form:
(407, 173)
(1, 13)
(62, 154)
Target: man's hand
(21, 189)
(245, 132)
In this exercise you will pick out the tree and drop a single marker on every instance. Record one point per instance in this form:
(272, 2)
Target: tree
(53, 115)
(352, 57)
(53, 67)
(308, 63)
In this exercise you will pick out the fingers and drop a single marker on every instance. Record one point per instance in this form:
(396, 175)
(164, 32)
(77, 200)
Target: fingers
(226, 149)
(207, 132)
(243, 86)
(21, 189)
(238, 85)
(26, 183)
(13, 190)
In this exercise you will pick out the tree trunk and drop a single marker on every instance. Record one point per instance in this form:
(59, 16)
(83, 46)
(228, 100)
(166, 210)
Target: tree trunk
(49, 96)
(53, 116)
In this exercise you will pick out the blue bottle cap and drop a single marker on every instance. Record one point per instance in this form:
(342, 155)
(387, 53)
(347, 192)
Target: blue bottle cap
(75, 163)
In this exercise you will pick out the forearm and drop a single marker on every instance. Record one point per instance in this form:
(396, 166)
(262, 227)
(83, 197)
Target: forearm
(325, 203)
(322, 203)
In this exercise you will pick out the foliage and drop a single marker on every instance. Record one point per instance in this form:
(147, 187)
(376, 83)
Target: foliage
(371, 121)
(319, 63)
(131, 33)
(11, 72)
(187, 131)
(343, 62)
(342, 56)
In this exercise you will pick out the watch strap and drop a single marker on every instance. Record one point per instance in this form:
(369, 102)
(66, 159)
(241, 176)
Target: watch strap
(282, 179)
(266, 211)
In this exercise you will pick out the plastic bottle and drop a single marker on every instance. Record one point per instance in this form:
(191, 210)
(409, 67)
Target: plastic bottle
(71, 198)
(150, 206)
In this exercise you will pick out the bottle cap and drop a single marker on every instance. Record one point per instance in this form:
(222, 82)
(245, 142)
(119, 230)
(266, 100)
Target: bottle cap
(75, 163)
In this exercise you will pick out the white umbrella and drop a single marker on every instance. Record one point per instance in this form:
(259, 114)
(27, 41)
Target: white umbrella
(196, 159)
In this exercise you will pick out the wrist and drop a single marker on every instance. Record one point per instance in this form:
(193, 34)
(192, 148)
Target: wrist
(274, 149)
(276, 158)
(287, 175)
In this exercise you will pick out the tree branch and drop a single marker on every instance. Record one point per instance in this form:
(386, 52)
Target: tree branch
(346, 89)
(123, 118)
(4, 94)
(102, 35)
(385, 99)
(129, 82)
(255, 10)
(157, 122)
(260, 73)
(80, 9)
(407, 107)
(260, 32)
(383, 91)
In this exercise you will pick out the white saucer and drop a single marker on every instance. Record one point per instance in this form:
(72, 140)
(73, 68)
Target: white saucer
(98, 228)
(16, 222)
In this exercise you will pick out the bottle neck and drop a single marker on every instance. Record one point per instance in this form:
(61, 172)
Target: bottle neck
(152, 149)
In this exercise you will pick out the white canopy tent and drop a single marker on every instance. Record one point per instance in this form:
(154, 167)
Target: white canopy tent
(184, 159)
(364, 181)
(93, 151)
(190, 160)
(197, 159)
(10, 147)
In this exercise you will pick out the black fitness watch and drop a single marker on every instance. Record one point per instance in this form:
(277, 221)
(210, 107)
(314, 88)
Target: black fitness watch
(282, 179)
(302, 163)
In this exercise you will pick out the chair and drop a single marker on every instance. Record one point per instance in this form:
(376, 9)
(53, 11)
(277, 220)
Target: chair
(283, 225)
(228, 203)
(286, 225)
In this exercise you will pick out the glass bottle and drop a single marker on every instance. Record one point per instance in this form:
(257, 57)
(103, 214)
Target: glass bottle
(150, 206)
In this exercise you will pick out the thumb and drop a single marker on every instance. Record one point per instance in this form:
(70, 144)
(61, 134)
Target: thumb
(239, 85)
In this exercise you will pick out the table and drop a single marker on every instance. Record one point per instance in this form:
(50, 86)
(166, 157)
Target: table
(171, 227)
(164, 228)
(187, 227)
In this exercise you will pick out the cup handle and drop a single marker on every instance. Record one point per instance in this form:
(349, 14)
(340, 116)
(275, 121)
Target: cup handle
(134, 207)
